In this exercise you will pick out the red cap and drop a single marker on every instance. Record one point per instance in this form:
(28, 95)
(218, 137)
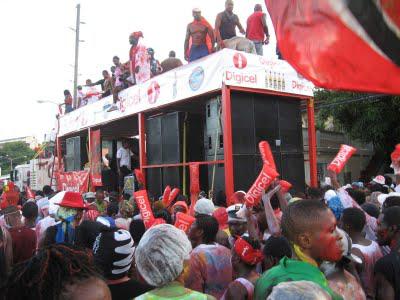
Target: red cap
(137, 34)
(73, 200)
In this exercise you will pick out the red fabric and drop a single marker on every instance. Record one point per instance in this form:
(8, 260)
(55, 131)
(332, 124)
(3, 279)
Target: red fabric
(255, 28)
(285, 186)
(174, 193)
(139, 176)
(68, 100)
(247, 253)
(395, 156)
(92, 214)
(137, 34)
(142, 201)
(313, 38)
(266, 154)
(29, 193)
(9, 198)
(237, 197)
(204, 22)
(167, 192)
(194, 178)
(157, 221)
(222, 217)
(263, 181)
(184, 221)
(341, 158)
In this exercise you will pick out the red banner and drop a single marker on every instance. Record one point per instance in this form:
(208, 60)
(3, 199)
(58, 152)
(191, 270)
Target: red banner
(77, 181)
(194, 178)
(95, 158)
(340, 44)
(184, 221)
(142, 201)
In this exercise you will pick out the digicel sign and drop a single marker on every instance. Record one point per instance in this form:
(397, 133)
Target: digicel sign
(240, 78)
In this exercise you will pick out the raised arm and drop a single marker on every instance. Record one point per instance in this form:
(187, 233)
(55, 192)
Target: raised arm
(273, 223)
(187, 38)
(212, 37)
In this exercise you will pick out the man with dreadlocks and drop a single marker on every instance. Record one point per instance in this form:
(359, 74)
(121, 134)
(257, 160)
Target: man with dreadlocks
(56, 272)
(310, 227)
(69, 216)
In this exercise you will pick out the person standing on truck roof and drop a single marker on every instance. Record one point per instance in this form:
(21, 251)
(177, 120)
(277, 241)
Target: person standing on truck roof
(68, 101)
(257, 29)
(226, 23)
(105, 83)
(139, 59)
(199, 41)
(171, 62)
(124, 155)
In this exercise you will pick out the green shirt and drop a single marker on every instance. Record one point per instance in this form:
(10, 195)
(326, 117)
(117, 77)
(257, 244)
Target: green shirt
(291, 270)
(174, 291)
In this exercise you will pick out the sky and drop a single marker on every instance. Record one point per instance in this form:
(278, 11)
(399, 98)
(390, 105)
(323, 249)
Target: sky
(37, 53)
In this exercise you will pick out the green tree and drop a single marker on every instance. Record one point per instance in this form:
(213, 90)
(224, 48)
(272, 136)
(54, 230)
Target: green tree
(18, 152)
(368, 118)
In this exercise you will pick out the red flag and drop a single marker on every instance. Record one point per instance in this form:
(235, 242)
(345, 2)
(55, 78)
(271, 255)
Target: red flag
(338, 44)
(29, 193)
(139, 176)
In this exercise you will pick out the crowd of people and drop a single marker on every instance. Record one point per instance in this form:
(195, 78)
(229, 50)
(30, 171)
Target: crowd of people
(333, 242)
(201, 40)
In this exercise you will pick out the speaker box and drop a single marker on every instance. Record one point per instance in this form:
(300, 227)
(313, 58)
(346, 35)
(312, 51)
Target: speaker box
(75, 153)
(164, 145)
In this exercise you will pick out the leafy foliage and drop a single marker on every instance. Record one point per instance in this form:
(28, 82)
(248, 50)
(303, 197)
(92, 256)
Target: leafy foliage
(19, 152)
(373, 120)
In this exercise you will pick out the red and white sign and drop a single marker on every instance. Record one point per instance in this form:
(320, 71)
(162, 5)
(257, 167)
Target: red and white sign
(263, 181)
(184, 221)
(142, 201)
(239, 60)
(77, 181)
(153, 92)
(227, 66)
(95, 158)
(341, 158)
(266, 154)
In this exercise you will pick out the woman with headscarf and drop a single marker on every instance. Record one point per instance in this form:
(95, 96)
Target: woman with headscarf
(160, 259)
(69, 216)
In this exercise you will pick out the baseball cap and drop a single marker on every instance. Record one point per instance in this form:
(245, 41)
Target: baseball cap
(204, 206)
(232, 216)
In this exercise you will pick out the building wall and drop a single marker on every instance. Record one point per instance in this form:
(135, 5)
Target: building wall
(328, 144)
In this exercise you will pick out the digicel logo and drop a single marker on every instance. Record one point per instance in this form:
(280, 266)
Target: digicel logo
(240, 78)
(240, 60)
(153, 92)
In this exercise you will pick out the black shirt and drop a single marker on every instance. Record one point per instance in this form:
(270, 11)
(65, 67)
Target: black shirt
(128, 290)
(389, 267)
(228, 25)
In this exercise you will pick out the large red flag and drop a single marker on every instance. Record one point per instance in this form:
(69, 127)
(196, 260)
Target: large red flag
(341, 44)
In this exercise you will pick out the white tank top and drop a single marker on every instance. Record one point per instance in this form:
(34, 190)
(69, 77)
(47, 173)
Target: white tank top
(370, 254)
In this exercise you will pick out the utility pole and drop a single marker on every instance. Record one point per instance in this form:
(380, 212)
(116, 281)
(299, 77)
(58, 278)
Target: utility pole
(78, 23)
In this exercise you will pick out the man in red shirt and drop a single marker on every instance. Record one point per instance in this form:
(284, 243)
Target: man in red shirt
(23, 238)
(257, 29)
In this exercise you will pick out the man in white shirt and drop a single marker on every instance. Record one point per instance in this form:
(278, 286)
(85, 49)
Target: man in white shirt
(124, 155)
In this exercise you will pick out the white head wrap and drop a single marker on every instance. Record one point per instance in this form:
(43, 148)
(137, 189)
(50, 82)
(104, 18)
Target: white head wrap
(298, 290)
(161, 253)
(204, 206)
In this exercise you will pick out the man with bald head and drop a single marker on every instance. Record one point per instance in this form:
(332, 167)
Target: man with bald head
(257, 30)
(226, 23)
(199, 41)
